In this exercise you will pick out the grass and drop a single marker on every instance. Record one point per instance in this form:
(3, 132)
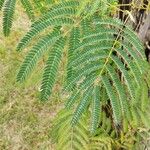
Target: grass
(25, 121)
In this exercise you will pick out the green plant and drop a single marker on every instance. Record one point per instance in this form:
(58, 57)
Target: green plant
(78, 137)
(105, 71)
(8, 9)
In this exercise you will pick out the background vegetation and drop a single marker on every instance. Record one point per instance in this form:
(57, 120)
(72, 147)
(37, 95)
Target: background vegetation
(25, 121)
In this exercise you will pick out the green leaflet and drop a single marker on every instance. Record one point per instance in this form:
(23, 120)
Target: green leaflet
(70, 137)
(94, 7)
(77, 137)
(96, 109)
(40, 27)
(82, 106)
(88, 81)
(145, 97)
(59, 15)
(58, 12)
(71, 3)
(144, 117)
(83, 72)
(125, 75)
(128, 34)
(35, 53)
(120, 90)
(8, 8)
(114, 101)
(135, 56)
(28, 8)
(73, 43)
(82, 7)
(1, 3)
(8, 12)
(134, 69)
(86, 56)
(135, 117)
(51, 69)
(85, 27)
(87, 8)
(39, 6)
(72, 99)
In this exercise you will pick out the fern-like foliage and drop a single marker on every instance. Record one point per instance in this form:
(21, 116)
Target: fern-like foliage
(73, 42)
(35, 53)
(8, 8)
(139, 108)
(71, 137)
(105, 62)
(102, 54)
(66, 136)
(58, 17)
(55, 17)
(51, 68)
(1, 4)
(28, 8)
(96, 109)
(96, 57)
(89, 7)
(78, 137)
(8, 11)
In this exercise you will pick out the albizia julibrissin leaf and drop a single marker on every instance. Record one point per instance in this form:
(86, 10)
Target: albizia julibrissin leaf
(8, 12)
(51, 68)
